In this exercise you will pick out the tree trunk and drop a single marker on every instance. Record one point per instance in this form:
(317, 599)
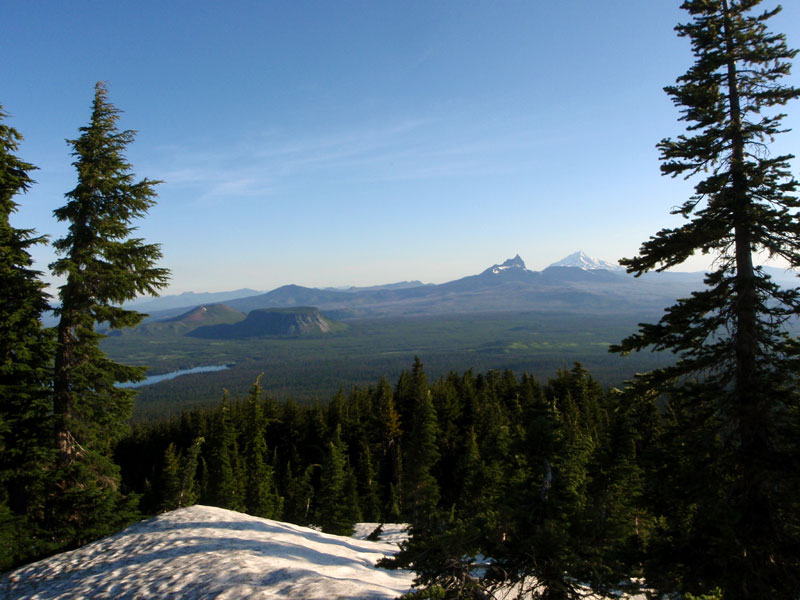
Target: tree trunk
(62, 398)
(750, 408)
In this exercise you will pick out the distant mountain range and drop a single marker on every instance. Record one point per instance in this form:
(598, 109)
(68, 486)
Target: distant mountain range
(388, 286)
(576, 283)
(187, 299)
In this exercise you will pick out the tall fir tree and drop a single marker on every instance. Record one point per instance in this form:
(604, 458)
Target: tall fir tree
(260, 495)
(368, 493)
(178, 487)
(388, 433)
(103, 266)
(224, 488)
(736, 373)
(420, 452)
(337, 503)
(25, 356)
(298, 493)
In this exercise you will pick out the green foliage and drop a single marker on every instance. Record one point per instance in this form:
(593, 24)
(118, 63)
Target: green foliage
(171, 479)
(298, 491)
(429, 593)
(392, 506)
(337, 500)
(544, 480)
(225, 487)
(368, 492)
(567, 520)
(420, 488)
(714, 595)
(178, 487)
(26, 352)
(87, 504)
(261, 497)
(733, 398)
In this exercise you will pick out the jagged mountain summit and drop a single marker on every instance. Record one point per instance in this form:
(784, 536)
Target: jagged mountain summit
(511, 263)
(581, 260)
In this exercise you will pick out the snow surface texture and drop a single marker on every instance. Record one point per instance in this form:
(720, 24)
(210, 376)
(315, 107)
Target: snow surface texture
(204, 552)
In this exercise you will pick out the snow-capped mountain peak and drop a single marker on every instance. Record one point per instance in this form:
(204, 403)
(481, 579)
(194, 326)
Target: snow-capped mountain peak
(583, 261)
(511, 263)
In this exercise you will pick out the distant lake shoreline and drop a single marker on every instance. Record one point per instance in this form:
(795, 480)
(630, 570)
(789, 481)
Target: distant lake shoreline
(173, 374)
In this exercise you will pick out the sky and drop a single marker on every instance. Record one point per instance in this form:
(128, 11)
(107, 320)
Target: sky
(333, 143)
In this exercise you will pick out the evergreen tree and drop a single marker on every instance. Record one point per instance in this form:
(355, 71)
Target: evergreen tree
(391, 509)
(261, 497)
(473, 491)
(103, 266)
(170, 479)
(388, 433)
(25, 357)
(445, 558)
(314, 445)
(298, 492)
(352, 499)
(189, 491)
(337, 505)
(449, 418)
(370, 504)
(620, 522)
(736, 374)
(178, 487)
(420, 453)
(224, 488)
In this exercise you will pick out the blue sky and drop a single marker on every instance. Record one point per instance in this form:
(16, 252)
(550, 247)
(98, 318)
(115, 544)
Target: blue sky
(334, 143)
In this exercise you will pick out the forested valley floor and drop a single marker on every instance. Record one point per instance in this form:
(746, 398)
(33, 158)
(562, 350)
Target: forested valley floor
(314, 368)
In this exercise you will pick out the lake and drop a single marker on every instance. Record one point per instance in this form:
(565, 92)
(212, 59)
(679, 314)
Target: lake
(172, 375)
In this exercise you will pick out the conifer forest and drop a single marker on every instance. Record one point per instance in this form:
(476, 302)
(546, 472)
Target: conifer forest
(684, 482)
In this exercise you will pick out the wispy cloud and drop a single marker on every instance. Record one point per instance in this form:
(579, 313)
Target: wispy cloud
(401, 150)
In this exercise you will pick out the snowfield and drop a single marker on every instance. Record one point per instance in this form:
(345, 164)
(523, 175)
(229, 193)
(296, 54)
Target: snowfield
(204, 552)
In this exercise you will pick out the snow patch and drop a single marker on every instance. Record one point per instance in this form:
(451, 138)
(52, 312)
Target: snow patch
(206, 552)
(392, 533)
